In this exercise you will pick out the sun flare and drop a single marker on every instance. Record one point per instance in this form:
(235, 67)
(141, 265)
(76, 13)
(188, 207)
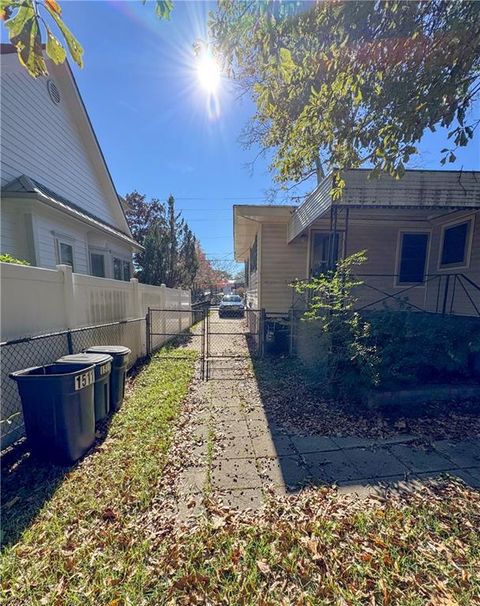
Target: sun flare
(208, 73)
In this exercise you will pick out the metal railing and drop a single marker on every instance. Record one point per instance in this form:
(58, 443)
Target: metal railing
(441, 293)
(445, 293)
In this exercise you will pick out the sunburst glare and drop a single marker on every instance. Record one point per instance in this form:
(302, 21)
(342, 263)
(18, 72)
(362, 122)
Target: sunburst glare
(208, 72)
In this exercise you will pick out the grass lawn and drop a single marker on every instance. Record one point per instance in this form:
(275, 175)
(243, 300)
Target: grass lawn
(97, 539)
(322, 549)
(86, 545)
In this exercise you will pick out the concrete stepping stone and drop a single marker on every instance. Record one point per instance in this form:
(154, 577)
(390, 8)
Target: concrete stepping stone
(310, 444)
(243, 498)
(465, 453)
(378, 463)
(235, 473)
(330, 467)
(419, 460)
(236, 447)
(286, 472)
(266, 445)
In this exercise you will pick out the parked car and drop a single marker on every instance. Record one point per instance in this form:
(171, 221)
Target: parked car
(231, 305)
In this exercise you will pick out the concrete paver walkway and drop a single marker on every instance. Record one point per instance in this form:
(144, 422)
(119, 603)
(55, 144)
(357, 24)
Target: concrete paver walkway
(245, 455)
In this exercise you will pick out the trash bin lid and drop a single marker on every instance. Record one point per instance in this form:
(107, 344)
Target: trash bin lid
(86, 358)
(113, 350)
(50, 371)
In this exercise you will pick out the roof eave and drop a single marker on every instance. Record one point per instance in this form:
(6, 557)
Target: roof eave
(73, 214)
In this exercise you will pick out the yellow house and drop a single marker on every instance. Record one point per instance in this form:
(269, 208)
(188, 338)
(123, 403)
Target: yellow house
(421, 235)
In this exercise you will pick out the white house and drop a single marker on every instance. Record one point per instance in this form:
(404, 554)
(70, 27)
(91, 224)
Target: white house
(59, 204)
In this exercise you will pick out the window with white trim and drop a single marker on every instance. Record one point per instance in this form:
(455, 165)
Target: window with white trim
(455, 244)
(413, 258)
(65, 253)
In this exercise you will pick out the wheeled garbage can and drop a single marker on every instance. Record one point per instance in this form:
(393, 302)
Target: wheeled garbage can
(57, 402)
(119, 371)
(103, 368)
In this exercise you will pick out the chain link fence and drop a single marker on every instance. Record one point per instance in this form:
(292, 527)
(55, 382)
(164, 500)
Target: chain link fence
(46, 349)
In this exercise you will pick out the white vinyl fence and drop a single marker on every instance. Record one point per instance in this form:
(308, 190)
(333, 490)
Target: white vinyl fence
(49, 313)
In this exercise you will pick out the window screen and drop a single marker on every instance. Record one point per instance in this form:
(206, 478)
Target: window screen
(455, 244)
(325, 252)
(98, 264)
(65, 253)
(117, 268)
(413, 258)
(126, 271)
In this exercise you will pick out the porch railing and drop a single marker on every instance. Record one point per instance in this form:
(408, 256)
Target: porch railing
(445, 293)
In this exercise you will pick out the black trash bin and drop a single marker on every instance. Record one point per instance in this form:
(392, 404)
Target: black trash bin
(57, 402)
(119, 371)
(103, 368)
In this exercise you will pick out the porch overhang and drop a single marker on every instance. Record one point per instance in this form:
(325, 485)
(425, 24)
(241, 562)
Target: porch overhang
(246, 220)
(435, 192)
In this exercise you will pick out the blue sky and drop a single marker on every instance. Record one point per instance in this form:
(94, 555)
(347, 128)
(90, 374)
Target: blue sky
(154, 124)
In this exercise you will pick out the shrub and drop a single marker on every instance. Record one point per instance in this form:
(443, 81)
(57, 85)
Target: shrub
(414, 347)
(355, 352)
(349, 361)
(6, 258)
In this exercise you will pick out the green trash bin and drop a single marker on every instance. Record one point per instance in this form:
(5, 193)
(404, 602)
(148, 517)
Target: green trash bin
(103, 368)
(57, 402)
(119, 371)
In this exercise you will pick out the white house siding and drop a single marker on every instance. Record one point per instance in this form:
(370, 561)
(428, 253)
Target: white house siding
(49, 227)
(42, 140)
(8, 230)
(281, 264)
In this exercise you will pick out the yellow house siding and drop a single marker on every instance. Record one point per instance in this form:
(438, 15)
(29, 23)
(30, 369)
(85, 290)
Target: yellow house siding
(456, 300)
(281, 263)
(380, 240)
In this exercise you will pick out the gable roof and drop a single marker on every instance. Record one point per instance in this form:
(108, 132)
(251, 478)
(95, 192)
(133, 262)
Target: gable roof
(64, 78)
(26, 187)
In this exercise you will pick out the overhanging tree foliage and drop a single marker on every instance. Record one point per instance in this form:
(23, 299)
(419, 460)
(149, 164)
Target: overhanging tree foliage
(170, 247)
(346, 84)
(32, 23)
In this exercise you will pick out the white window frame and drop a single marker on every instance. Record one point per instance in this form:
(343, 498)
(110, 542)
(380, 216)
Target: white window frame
(468, 245)
(398, 257)
(68, 241)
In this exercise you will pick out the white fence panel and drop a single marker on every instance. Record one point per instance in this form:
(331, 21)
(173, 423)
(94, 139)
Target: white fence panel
(32, 301)
(38, 302)
(99, 300)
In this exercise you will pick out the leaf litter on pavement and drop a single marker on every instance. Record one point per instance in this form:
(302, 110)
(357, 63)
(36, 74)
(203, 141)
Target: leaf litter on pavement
(111, 533)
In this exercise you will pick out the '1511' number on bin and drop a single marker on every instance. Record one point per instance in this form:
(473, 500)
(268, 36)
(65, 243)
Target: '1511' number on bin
(82, 381)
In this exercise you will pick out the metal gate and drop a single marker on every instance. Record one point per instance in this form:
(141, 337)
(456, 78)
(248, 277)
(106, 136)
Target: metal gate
(215, 339)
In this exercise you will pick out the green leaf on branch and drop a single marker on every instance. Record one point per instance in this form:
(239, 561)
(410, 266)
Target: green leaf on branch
(55, 50)
(74, 46)
(163, 8)
(287, 66)
(24, 34)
